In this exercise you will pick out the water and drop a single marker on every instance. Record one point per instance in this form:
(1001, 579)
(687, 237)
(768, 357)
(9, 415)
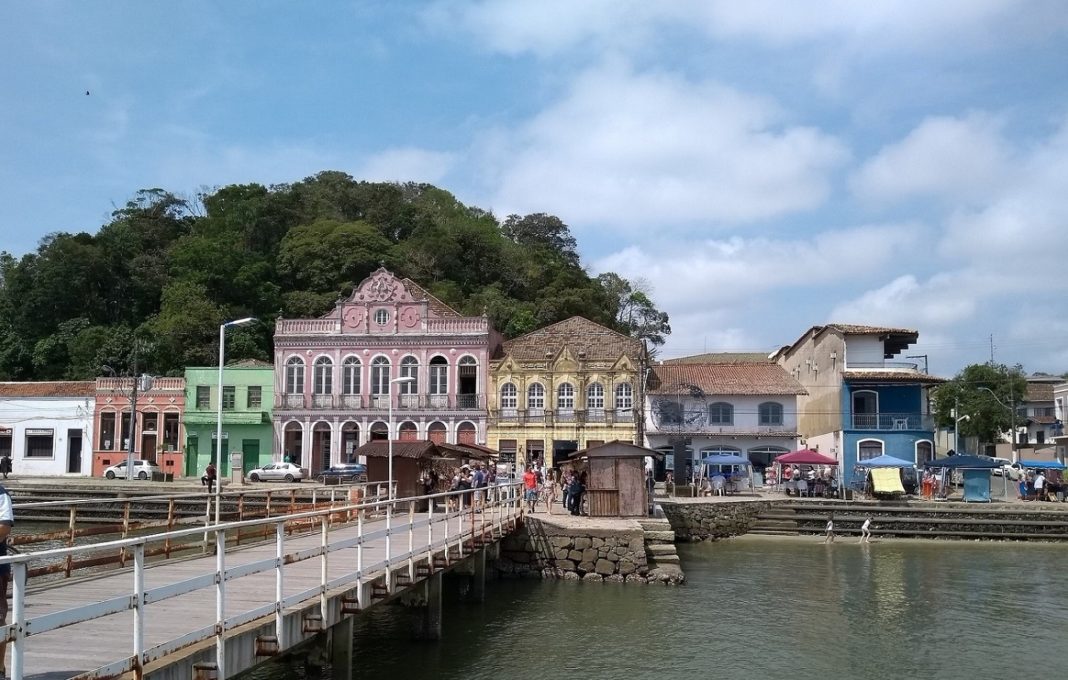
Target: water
(753, 609)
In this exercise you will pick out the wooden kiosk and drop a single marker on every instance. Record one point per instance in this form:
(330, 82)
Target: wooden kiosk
(615, 484)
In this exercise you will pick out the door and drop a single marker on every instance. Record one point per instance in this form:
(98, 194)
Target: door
(74, 451)
(250, 453)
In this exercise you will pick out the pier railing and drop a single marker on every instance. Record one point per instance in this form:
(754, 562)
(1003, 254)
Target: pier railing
(429, 535)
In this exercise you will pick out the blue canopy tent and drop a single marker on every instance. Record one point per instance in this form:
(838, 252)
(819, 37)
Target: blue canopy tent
(976, 473)
(729, 461)
(1042, 464)
(885, 461)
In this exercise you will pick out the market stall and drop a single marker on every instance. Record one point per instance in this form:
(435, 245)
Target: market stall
(806, 460)
(975, 472)
(735, 471)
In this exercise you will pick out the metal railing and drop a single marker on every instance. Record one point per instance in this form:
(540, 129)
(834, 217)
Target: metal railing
(892, 421)
(888, 365)
(447, 532)
(566, 416)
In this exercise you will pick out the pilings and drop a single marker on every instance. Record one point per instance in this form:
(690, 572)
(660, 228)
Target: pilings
(428, 622)
(341, 635)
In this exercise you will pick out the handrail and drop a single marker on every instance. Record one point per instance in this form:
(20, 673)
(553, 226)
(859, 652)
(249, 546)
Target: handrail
(498, 504)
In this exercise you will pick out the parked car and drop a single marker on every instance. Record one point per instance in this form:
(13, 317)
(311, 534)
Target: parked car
(142, 469)
(278, 472)
(344, 472)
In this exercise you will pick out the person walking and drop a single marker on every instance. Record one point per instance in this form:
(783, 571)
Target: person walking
(830, 529)
(209, 477)
(530, 487)
(5, 465)
(865, 530)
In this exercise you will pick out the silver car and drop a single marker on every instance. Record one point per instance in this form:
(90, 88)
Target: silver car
(278, 472)
(142, 469)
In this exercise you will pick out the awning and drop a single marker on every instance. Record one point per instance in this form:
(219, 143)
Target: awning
(229, 418)
(886, 480)
(1042, 464)
(884, 461)
(805, 457)
(725, 459)
(963, 463)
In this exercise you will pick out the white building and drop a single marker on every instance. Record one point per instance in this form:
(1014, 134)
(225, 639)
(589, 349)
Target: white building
(46, 427)
(744, 407)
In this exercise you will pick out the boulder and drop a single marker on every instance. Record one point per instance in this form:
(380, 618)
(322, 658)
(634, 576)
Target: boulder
(604, 567)
(582, 543)
(593, 577)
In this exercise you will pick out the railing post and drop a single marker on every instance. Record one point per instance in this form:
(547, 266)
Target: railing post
(139, 607)
(240, 514)
(359, 559)
(430, 535)
(448, 501)
(18, 615)
(70, 544)
(411, 541)
(389, 547)
(125, 532)
(207, 521)
(220, 602)
(170, 527)
(460, 527)
(279, 580)
(324, 523)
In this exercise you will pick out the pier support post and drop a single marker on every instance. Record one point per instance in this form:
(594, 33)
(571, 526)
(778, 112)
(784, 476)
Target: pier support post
(341, 648)
(478, 576)
(428, 626)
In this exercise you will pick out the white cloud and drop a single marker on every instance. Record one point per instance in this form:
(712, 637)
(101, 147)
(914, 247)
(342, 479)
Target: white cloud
(953, 158)
(639, 150)
(407, 164)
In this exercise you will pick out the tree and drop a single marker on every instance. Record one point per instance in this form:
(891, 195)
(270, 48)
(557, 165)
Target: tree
(635, 313)
(968, 393)
(542, 231)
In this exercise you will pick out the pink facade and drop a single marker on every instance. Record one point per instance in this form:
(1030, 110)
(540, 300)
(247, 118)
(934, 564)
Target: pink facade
(158, 433)
(333, 375)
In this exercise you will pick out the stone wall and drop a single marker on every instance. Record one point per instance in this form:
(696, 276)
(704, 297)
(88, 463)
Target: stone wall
(541, 549)
(697, 520)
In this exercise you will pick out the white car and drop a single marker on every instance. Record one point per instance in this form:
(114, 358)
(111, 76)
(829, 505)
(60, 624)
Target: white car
(278, 472)
(142, 469)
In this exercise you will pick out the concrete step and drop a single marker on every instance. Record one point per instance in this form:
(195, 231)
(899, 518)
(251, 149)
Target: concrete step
(661, 560)
(658, 549)
(773, 532)
(659, 537)
(655, 524)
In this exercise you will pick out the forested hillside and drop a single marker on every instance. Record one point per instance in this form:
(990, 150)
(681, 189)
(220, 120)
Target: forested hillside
(165, 272)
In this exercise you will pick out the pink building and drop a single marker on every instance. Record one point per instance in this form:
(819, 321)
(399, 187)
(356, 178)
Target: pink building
(158, 434)
(333, 374)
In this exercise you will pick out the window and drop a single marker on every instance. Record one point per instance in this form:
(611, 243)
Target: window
(720, 413)
(150, 421)
(381, 317)
(107, 431)
(229, 397)
(439, 375)
(203, 397)
(624, 397)
(536, 396)
(39, 443)
(255, 396)
(380, 375)
(670, 412)
(509, 397)
(323, 376)
(350, 375)
(924, 452)
(409, 368)
(5, 443)
(595, 397)
(771, 413)
(869, 448)
(295, 376)
(565, 397)
(171, 422)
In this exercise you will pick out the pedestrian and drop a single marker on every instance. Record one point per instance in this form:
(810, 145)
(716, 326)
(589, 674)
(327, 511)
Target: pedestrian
(7, 522)
(865, 530)
(1040, 486)
(208, 479)
(575, 494)
(830, 529)
(5, 465)
(530, 487)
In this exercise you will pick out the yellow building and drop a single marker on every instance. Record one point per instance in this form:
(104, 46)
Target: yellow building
(562, 388)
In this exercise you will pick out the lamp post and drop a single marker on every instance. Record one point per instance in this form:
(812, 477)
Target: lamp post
(1012, 414)
(389, 433)
(218, 425)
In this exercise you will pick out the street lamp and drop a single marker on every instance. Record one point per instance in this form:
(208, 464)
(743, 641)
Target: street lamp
(389, 431)
(218, 426)
(1012, 414)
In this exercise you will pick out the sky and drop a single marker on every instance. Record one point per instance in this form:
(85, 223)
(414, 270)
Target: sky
(763, 166)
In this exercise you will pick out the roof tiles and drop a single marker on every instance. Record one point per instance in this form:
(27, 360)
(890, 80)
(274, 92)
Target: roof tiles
(751, 378)
(584, 338)
(56, 389)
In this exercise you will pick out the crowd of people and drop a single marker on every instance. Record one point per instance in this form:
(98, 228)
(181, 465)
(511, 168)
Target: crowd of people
(546, 486)
(808, 480)
(1042, 485)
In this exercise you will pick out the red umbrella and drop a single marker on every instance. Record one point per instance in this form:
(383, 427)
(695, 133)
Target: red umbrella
(805, 457)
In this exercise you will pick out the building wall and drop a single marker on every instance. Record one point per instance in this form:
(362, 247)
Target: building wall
(165, 401)
(818, 365)
(863, 349)
(255, 440)
(64, 419)
(551, 374)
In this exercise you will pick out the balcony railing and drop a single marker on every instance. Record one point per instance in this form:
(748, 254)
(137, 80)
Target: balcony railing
(322, 401)
(540, 416)
(461, 402)
(351, 401)
(670, 427)
(468, 401)
(888, 365)
(892, 421)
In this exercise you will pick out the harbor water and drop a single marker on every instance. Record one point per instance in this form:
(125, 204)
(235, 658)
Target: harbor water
(752, 608)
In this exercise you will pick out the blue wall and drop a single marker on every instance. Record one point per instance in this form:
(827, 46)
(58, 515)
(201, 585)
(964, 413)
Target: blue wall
(892, 399)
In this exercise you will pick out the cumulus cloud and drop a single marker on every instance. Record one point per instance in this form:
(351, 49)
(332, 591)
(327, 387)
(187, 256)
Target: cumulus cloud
(407, 164)
(644, 149)
(952, 158)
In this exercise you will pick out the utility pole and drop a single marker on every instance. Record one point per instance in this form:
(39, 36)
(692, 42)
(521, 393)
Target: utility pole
(1012, 402)
(133, 419)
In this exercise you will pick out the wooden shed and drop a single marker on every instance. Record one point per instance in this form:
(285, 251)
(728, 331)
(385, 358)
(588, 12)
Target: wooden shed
(615, 484)
(409, 460)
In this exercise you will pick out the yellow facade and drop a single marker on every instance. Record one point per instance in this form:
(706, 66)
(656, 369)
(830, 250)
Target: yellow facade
(554, 392)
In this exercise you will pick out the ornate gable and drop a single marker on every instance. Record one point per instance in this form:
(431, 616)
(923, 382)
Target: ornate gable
(381, 286)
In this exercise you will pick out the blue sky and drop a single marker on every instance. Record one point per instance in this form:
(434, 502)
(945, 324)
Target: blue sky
(763, 166)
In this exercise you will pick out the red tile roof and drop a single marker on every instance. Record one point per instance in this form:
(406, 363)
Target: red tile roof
(892, 376)
(379, 448)
(420, 293)
(62, 388)
(723, 358)
(584, 338)
(1039, 391)
(754, 378)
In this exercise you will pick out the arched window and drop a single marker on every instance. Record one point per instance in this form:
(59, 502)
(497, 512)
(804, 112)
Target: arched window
(771, 413)
(350, 375)
(720, 413)
(624, 397)
(536, 397)
(467, 383)
(869, 448)
(565, 397)
(323, 376)
(865, 410)
(439, 375)
(380, 376)
(924, 452)
(409, 368)
(509, 398)
(295, 376)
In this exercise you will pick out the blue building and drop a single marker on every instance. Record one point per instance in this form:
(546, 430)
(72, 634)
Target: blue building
(864, 399)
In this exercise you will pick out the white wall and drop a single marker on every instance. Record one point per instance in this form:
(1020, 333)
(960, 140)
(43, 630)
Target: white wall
(864, 349)
(56, 414)
(746, 411)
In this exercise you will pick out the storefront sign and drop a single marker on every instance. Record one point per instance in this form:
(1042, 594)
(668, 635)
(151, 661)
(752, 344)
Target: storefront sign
(5, 431)
(39, 432)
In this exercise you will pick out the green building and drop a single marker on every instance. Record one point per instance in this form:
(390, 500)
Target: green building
(247, 400)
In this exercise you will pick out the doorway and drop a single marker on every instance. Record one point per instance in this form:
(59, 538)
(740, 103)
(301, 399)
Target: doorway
(250, 454)
(74, 451)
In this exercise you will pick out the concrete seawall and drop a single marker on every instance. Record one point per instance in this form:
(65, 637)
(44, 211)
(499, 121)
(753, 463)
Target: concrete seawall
(695, 519)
